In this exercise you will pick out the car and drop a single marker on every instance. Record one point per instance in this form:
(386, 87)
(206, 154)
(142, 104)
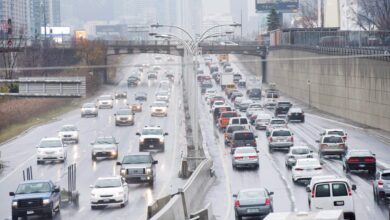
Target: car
(282, 108)
(136, 107)
(297, 152)
(262, 121)
(331, 194)
(295, 114)
(138, 167)
(242, 139)
(280, 138)
(237, 101)
(162, 96)
(105, 101)
(239, 121)
(357, 160)
(305, 168)
(214, 68)
(215, 98)
(311, 215)
(234, 95)
(218, 110)
(170, 76)
(151, 138)
(270, 103)
(254, 107)
(236, 77)
(209, 94)
(230, 89)
(36, 197)
(275, 123)
(229, 131)
(171, 59)
(156, 68)
(157, 57)
(51, 149)
(254, 94)
(332, 145)
(381, 185)
(245, 157)
(159, 108)
(243, 105)
(133, 81)
(224, 118)
(141, 96)
(121, 95)
(241, 84)
(206, 83)
(108, 191)
(104, 146)
(69, 133)
(335, 131)
(89, 109)
(152, 75)
(124, 116)
(253, 202)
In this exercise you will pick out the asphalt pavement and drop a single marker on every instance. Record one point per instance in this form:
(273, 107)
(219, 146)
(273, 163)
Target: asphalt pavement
(273, 174)
(20, 153)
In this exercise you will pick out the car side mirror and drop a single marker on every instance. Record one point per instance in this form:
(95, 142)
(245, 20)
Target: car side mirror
(118, 163)
(114, 114)
(165, 134)
(234, 195)
(11, 194)
(270, 193)
(92, 143)
(116, 142)
(354, 187)
(138, 134)
(308, 189)
(317, 141)
(155, 162)
(56, 189)
(257, 151)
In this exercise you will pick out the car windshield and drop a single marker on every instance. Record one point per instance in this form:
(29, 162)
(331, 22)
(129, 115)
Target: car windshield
(69, 128)
(296, 110)
(50, 143)
(307, 162)
(136, 159)
(108, 183)
(229, 114)
(89, 105)
(284, 104)
(124, 112)
(360, 153)
(244, 136)
(300, 151)
(255, 92)
(105, 97)
(159, 104)
(162, 94)
(39, 187)
(333, 139)
(278, 122)
(245, 150)
(231, 129)
(253, 194)
(152, 131)
(386, 176)
(281, 133)
(341, 133)
(104, 140)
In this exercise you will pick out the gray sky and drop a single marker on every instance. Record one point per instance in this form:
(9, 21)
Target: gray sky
(216, 6)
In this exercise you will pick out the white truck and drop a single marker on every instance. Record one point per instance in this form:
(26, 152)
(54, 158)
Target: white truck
(226, 79)
(316, 215)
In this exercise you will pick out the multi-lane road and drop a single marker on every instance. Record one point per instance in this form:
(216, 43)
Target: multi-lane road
(20, 153)
(273, 174)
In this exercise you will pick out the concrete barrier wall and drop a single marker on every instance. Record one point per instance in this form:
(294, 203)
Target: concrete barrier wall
(173, 210)
(354, 88)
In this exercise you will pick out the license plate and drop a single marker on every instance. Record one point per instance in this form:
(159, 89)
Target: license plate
(30, 212)
(151, 146)
(362, 165)
(339, 203)
(252, 210)
(106, 200)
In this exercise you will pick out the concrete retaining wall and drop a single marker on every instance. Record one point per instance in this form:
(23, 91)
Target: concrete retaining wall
(354, 88)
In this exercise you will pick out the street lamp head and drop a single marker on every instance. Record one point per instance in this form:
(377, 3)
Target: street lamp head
(162, 36)
(152, 34)
(155, 25)
(235, 25)
(229, 32)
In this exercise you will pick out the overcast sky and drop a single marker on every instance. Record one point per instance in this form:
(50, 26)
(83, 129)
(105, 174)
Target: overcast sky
(216, 6)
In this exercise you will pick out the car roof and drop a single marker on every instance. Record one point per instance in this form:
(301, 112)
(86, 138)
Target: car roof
(152, 127)
(253, 189)
(295, 109)
(281, 129)
(50, 139)
(300, 147)
(36, 181)
(309, 160)
(243, 131)
(68, 125)
(329, 179)
(109, 177)
(139, 154)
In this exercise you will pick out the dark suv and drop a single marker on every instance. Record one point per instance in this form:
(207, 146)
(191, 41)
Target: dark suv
(296, 114)
(35, 197)
(282, 108)
(254, 94)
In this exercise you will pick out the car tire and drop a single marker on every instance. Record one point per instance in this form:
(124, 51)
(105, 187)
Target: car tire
(257, 166)
(122, 205)
(151, 183)
(15, 217)
(93, 158)
(93, 207)
(270, 149)
(351, 216)
(347, 170)
(376, 197)
(372, 172)
(39, 162)
(238, 217)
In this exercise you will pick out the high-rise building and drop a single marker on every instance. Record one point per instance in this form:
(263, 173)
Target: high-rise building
(15, 13)
(43, 13)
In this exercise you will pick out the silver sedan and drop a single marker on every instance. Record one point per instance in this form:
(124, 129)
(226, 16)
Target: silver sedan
(253, 202)
(245, 157)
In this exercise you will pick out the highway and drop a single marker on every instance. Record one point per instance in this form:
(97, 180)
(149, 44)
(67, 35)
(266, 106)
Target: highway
(20, 152)
(273, 174)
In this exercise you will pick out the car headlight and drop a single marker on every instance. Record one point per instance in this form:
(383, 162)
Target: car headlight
(113, 152)
(161, 140)
(148, 170)
(15, 204)
(93, 194)
(141, 140)
(46, 201)
(120, 193)
(123, 171)
(60, 150)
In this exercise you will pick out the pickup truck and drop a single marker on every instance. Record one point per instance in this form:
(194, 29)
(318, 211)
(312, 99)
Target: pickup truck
(35, 197)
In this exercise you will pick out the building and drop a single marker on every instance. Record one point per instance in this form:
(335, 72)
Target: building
(43, 13)
(13, 13)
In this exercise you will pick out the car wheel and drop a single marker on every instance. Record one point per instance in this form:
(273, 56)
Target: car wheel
(151, 183)
(347, 170)
(352, 216)
(234, 167)
(238, 217)
(122, 205)
(15, 217)
(93, 207)
(376, 197)
(270, 149)
(257, 166)
(372, 172)
(39, 162)
(93, 158)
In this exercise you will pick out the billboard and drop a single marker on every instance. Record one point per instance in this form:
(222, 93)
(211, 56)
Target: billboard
(278, 5)
(56, 31)
(80, 35)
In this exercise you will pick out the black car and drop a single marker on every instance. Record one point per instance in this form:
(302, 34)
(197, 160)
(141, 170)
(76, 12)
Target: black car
(120, 95)
(282, 108)
(152, 75)
(132, 81)
(254, 94)
(242, 139)
(236, 77)
(35, 197)
(357, 160)
(296, 114)
(141, 96)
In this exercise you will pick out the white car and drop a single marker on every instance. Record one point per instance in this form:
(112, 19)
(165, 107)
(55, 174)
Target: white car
(162, 96)
(262, 121)
(217, 104)
(159, 108)
(89, 109)
(335, 131)
(106, 147)
(210, 93)
(105, 101)
(69, 133)
(109, 191)
(51, 149)
(331, 194)
(245, 157)
(151, 138)
(305, 169)
(297, 152)
(275, 123)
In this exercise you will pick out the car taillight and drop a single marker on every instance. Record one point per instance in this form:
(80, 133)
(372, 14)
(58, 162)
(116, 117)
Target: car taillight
(291, 138)
(380, 183)
(267, 201)
(349, 191)
(238, 158)
(313, 194)
(252, 157)
(341, 145)
(254, 142)
(323, 145)
(298, 169)
(318, 168)
(369, 160)
(353, 160)
(270, 139)
(237, 203)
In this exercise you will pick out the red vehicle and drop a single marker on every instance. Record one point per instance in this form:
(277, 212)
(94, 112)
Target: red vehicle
(224, 118)
(216, 98)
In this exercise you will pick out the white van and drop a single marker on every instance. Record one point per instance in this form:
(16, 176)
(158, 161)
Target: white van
(239, 121)
(332, 194)
(317, 215)
(262, 121)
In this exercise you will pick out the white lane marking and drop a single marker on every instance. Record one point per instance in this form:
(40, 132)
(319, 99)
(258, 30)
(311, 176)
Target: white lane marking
(17, 168)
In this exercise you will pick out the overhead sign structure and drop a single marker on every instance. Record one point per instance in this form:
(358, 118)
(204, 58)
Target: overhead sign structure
(278, 5)
(56, 31)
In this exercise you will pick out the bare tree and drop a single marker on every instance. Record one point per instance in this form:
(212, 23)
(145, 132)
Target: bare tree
(372, 14)
(308, 14)
(10, 52)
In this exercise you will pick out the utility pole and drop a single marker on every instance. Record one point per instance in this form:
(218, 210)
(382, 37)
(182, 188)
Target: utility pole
(241, 23)
(322, 13)
(43, 8)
